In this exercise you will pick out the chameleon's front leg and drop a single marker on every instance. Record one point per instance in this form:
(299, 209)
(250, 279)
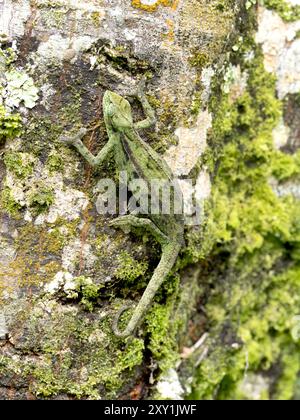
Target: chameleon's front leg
(147, 108)
(127, 222)
(83, 150)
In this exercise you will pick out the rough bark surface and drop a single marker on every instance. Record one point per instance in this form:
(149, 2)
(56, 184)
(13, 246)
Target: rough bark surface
(223, 77)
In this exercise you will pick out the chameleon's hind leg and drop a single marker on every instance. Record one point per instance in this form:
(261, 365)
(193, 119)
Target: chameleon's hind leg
(127, 222)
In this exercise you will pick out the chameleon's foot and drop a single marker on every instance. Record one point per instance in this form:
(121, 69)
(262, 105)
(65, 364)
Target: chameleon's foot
(72, 140)
(141, 87)
(126, 223)
(127, 332)
(138, 91)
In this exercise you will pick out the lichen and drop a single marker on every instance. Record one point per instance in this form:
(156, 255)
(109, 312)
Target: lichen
(20, 89)
(152, 7)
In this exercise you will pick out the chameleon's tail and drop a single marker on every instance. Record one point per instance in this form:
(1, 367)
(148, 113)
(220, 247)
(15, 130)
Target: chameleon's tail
(168, 258)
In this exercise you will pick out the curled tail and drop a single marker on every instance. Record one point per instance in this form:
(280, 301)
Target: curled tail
(168, 259)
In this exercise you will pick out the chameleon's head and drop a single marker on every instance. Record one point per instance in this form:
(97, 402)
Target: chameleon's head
(117, 110)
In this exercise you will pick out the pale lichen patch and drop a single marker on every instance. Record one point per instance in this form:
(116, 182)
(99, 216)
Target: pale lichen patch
(13, 17)
(19, 89)
(60, 279)
(255, 387)
(281, 134)
(75, 251)
(58, 48)
(68, 204)
(194, 197)
(192, 144)
(281, 49)
(289, 188)
(169, 386)
(293, 2)
(8, 280)
(235, 82)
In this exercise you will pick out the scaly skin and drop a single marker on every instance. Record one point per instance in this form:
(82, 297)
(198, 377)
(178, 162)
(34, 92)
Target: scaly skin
(135, 156)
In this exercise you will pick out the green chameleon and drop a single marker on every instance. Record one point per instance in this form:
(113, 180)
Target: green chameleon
(138, 159)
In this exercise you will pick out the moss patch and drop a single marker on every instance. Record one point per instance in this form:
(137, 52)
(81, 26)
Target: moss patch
(288, 12)
(130, 269)
(10, 125)
(20, 164)
(55, 163)
(102, 364)
(8, 203)
(41, 199)
(253, 238)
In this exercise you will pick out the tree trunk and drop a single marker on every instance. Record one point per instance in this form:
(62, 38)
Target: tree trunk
(223, 78)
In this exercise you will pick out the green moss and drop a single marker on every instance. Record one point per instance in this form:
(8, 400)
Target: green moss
(196, 104)
(65, 334)
(133, 356)
(8, 203)
(252, 237)
(55, 163)
(286, 166)
(285, 389)
(162, 335)
(86, 291)
(199, 60)
(41, 200)
(40, 134)
(20, 164)
(288, 12)
(130, 269)
(10, 125)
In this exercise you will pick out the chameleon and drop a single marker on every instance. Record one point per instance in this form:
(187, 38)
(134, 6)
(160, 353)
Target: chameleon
(133, 155)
